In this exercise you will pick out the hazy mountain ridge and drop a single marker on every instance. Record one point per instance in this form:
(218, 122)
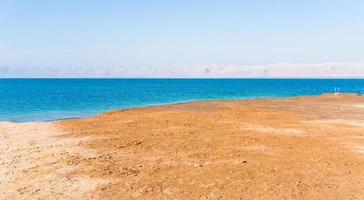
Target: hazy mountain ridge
(200, 71)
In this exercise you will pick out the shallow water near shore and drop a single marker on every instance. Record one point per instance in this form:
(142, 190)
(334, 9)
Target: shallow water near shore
(52, 99)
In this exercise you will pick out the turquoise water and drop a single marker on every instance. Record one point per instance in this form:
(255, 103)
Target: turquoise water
(51, 99)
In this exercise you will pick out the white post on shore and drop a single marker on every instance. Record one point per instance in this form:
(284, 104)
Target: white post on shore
(336, 90)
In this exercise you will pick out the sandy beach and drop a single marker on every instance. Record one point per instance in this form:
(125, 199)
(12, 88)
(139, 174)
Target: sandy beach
(276, 148)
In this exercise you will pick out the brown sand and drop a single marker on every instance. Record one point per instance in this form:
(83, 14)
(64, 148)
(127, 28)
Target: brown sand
(291, 148)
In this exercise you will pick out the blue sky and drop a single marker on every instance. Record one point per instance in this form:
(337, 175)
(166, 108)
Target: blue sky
(71, 33)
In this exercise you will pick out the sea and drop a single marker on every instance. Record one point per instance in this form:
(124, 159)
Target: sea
(25, 100)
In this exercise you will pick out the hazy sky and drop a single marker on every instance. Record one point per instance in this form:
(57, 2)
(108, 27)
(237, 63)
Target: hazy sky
(69, 33)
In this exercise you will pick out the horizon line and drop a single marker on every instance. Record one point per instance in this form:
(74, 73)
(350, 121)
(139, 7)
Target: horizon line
(338, 70)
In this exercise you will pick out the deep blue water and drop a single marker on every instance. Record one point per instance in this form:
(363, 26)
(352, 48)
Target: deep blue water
(51, 99)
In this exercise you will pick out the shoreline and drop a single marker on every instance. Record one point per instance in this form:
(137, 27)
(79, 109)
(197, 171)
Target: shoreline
(177, 103)
(306, 147)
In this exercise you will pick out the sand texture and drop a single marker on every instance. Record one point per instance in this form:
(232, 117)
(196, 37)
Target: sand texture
(286, 148)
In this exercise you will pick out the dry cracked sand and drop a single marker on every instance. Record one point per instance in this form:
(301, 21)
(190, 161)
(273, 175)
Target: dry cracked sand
(288, 148)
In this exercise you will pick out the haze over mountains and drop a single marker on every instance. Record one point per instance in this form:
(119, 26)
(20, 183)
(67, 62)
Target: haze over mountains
(325, 70)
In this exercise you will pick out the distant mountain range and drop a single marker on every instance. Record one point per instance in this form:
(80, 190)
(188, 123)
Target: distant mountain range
(325, 70)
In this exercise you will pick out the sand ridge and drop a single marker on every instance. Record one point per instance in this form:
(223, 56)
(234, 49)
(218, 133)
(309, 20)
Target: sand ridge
(287, 148)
